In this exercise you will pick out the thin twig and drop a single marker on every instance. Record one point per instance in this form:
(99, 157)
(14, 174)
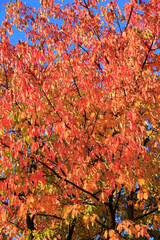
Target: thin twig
(49, 215)
(146, 214)
(129, 18)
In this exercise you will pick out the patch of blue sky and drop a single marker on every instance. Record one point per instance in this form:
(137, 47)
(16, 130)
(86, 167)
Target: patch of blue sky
(20, 35)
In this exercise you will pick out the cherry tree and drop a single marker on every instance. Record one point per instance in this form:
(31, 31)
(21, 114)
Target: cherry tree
(79, 121)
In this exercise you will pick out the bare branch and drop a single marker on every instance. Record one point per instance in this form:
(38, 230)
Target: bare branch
(129, 18)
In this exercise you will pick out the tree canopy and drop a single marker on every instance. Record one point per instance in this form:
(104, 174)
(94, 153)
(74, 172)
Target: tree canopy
(80, 121)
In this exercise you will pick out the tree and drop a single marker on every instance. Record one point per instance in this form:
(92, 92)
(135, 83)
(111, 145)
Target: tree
(79, 126)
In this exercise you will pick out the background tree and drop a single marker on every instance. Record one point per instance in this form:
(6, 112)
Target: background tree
(79, 126)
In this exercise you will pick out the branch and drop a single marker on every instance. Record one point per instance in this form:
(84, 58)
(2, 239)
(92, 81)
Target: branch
(98, 65)
(73, 184)
(144, 63)
(76, 86)
(116, 16)
(71, 229)
(15, 225)
(43, 91)
(118, 198)
(5, 203)
(95, 122)
(94, 30)
(112, 210)
(49, 215)
(146, 214)
(3, 179)
(88, 9)
(29, 221)
(100, 223)
(146, 56)
(129, 18)
(67, 181)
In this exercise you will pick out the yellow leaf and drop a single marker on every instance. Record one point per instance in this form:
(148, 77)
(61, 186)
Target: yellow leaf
(138, 227)
(137, 103)
(145, 196)
(140, 195)
(87, 105)
(42, 209)
(120, 228)
(67, 223)
(141, 181)
(92, 114)
(111, 233)
(106, 234)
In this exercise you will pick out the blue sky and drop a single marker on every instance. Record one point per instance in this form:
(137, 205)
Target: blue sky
(36, 4)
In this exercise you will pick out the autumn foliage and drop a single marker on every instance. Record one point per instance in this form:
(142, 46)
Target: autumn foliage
(80, 121)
